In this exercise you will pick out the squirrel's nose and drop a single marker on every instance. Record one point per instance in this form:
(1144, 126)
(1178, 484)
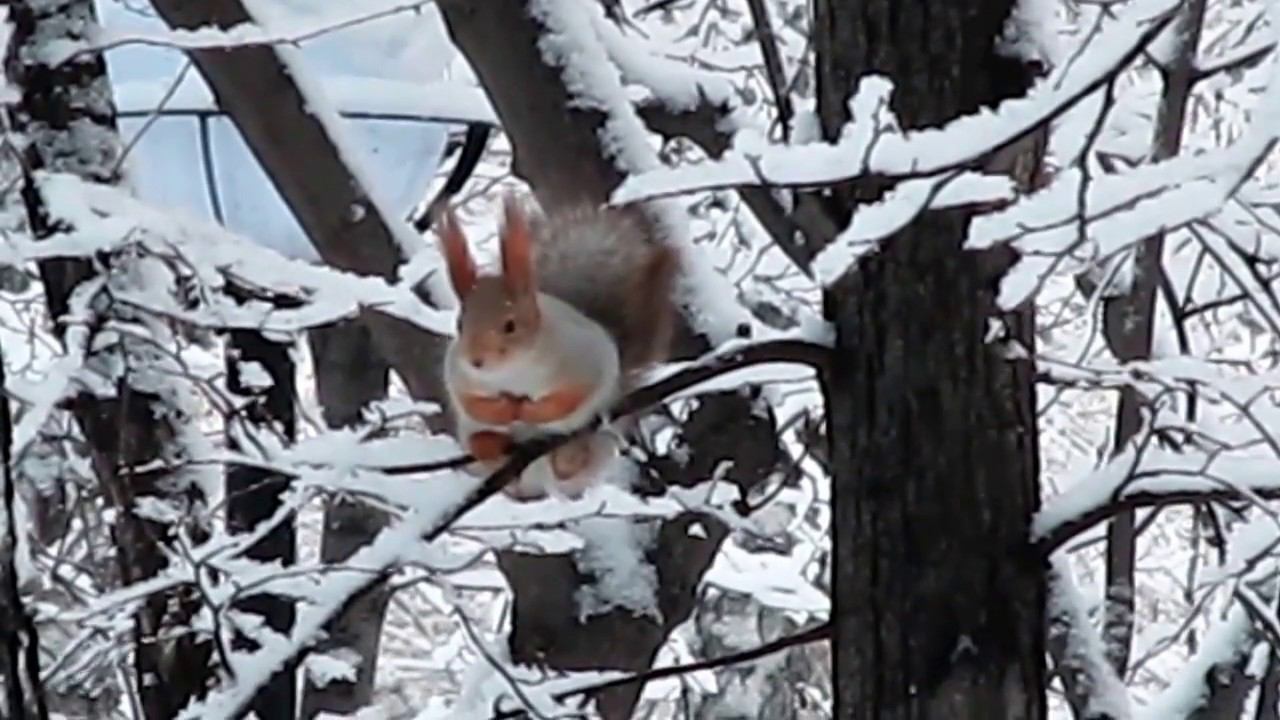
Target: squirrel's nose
(478, 361)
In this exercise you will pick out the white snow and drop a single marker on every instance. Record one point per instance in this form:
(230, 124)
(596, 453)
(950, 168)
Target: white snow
(863, 149)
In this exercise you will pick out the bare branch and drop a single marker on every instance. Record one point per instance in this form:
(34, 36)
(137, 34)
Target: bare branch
(817, 633)
(773, 64)
(473, 146)
(1239, 59)
(1055, 537)
(815, 356)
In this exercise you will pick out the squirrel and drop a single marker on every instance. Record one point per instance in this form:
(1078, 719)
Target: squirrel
(583, 305)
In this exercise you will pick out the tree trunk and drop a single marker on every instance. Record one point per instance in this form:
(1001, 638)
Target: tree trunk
(254, 495)
(70, 126)
(20, 669)
(348, 378)
(939, 599)
(773, 687)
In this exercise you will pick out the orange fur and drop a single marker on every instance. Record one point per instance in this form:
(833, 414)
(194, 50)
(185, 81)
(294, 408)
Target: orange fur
(488, 445)
(555, 405)
(501, 409)
(457, 256)
(517, 250)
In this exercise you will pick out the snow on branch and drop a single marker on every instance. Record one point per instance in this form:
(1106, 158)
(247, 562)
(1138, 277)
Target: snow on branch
(1100, 216)
(316, 103)
(674, 84)
(1092, 686)
(431, 515)
(1224, 650)
(866, 149)
(816, 633)
(571, 42)
(877, 220)
(1216, 679)
(106, 220)
(1165, 478)
(1239, 466)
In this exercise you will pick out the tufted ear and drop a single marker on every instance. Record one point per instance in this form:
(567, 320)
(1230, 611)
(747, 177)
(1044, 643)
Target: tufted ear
(517, 250)
(457, 256)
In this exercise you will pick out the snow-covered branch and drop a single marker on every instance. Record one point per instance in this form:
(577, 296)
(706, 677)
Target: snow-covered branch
(868, 149)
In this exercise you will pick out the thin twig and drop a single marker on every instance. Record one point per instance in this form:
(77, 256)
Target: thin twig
(772, 64)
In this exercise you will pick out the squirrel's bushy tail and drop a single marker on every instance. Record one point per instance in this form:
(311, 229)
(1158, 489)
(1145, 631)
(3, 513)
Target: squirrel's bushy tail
(651, 320)
(606, 263)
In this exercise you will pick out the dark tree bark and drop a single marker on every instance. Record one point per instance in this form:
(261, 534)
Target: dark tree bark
(70, 125)
(1269, 689)
(348, 378)
(254, 495)
(939, 599)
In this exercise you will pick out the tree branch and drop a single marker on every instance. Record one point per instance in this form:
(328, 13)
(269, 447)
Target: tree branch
(813, 634)
(1242, 59)
(800, 234)
(306, 165)
(1055, 537)
(1090, 684)
(524, 454)
(473, 146)
(793, 167)
(643, 398)
(773, 64)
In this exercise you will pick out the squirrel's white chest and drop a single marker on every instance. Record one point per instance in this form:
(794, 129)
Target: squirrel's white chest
(570, 349)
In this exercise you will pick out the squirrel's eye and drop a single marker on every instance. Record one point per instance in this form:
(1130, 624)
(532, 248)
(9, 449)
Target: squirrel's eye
(509, 327)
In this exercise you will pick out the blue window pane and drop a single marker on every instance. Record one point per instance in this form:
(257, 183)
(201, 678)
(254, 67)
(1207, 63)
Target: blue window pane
(164, 164)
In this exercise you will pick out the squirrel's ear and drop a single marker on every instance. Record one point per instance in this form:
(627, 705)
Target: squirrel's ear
(517, 249)
(457, 256)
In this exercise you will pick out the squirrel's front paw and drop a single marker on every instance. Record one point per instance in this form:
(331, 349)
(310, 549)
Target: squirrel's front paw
(524, 491)
(553, 406)
(488, 446)
(500, 409)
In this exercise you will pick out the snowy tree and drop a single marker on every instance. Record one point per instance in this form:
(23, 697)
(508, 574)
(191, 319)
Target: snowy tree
(939, 599)
(971, 411)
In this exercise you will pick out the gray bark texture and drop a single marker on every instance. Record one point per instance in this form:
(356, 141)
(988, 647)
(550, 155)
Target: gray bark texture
(939, 599)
